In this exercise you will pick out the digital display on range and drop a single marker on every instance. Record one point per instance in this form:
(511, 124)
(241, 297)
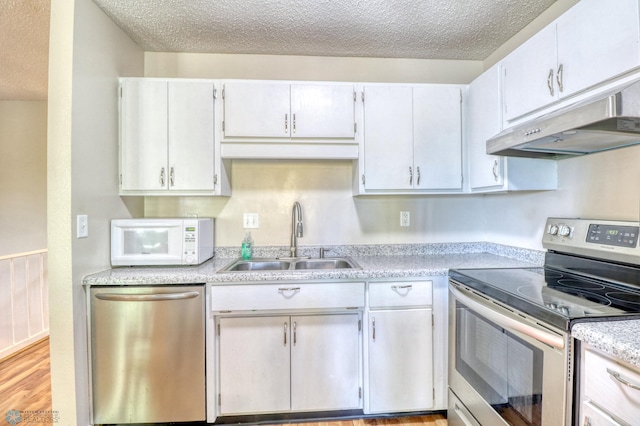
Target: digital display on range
(612, 235)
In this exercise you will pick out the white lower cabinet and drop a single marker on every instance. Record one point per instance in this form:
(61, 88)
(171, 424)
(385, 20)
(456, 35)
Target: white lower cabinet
(271, 364)
(400, 347)
(610, 391)
(400, 361)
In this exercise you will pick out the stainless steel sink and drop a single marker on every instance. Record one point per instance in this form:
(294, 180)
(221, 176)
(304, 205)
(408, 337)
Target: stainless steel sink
(290, 264)
(258, 265)
(323, 264)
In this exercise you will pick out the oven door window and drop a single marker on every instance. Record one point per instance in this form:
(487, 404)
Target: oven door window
(505, 370)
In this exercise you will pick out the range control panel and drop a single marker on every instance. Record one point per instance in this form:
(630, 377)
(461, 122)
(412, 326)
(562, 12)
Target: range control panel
(613, 235)
(606, 239)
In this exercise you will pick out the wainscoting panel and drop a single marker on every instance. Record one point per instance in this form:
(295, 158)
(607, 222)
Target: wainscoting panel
(24, 310)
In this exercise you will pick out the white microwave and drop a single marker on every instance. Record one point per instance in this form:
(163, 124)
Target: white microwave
(137, 242)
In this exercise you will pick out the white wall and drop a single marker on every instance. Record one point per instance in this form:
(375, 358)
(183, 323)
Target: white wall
(23, 176)
(604, 185)
(87, 54)
(319, 68)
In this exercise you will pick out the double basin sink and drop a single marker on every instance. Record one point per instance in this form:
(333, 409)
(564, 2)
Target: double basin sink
(294, 264)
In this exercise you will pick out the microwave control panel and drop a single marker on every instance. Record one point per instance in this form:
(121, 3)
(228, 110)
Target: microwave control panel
(190, 239)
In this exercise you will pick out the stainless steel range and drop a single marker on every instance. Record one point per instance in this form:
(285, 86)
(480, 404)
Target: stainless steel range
(511, 355)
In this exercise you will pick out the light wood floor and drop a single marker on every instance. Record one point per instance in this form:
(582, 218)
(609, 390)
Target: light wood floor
(25, 380)
(25, 385)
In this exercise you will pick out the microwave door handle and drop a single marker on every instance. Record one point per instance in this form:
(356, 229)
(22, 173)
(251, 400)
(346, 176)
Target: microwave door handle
(551, 339)
(119, 297)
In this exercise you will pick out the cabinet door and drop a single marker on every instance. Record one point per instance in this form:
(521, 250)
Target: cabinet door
(325, 362)
(143, 135)
(597, 41)
(191, 147)
(400, 360)
(257, 110)
(437, 137)
(484, 121)
(322, 111)
(388, 137)
(254, 364)
(529, 74)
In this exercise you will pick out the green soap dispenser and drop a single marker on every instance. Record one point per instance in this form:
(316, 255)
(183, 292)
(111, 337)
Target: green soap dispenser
(247, 247)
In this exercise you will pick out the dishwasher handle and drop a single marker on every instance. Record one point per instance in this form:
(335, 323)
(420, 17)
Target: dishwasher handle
(153, 297)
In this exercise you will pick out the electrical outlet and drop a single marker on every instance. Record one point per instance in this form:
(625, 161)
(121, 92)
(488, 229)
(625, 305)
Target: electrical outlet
(405, 218)
(82, 226)
(250, 220)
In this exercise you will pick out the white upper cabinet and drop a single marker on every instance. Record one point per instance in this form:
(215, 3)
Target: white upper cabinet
(143, 135)
(167, 137)
(322, 111)
(529, 74)
(252, 110)
(412, 138)
(282, 110)
(388, 145)
(592, 42)
(488, 173)
(191, 144)
(484, 120)
(597, 40)
(437, 136)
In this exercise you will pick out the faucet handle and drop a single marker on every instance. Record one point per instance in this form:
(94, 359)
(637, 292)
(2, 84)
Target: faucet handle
(323, 251)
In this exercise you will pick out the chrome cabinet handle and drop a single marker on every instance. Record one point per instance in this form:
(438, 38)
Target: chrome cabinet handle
(286, 123)
(293, 123)
(172, 176)
(559, 78)
(281, 289)
(619, 378)
(162, 176)
(373, 325)
(418, 171)
(587, 421)
(495, 169)
(125, 297)
(550, 82)
(285, 333)
(402, 287)
(410, 175)
(294, 333)
(462, 416)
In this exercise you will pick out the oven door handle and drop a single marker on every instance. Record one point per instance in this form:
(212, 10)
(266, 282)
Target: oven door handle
(504, 321)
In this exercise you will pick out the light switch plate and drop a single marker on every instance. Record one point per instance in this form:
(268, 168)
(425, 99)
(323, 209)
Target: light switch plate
(82, 226)
(250, 220)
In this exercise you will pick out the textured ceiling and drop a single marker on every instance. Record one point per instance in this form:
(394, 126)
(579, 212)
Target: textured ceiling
(24, 49)
(428, 29)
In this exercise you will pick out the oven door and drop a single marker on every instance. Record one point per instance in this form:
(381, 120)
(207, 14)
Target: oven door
(505, 368)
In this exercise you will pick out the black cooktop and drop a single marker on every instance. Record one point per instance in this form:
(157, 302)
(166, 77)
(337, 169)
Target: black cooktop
(560, 297)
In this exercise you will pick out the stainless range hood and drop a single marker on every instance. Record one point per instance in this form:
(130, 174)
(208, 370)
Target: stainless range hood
(608, 121)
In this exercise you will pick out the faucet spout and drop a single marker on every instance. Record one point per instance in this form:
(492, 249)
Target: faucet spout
(296, 228)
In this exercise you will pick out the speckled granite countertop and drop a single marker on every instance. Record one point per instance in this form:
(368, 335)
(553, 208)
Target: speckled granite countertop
(376, 261)
(619, 339)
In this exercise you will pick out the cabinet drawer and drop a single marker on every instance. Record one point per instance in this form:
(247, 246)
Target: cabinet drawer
(609, 393)
(592, 416)
(409, 293)
(287, 296)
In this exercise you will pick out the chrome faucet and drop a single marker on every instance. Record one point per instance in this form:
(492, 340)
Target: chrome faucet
(296, 228)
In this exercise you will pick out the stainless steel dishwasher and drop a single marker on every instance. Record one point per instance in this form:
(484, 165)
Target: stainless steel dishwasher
(148, 354)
